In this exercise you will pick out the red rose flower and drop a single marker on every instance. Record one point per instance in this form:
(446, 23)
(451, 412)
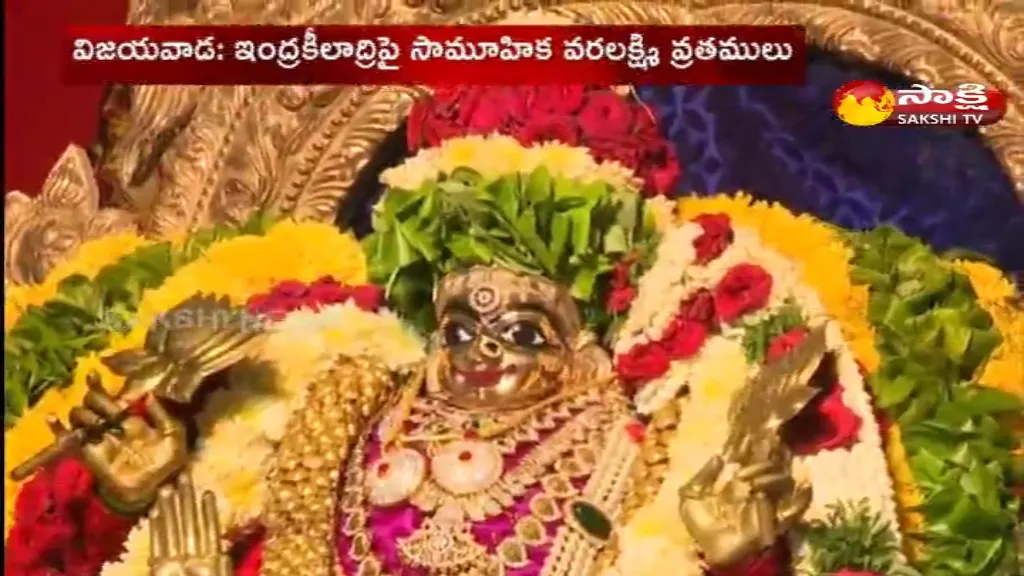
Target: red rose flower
(684, 338)
(551, 128)
(826, 423)
(257, 303)
(606, 115)
(435, 130)
(699, 307)
(784, 344)
(619, 299)
(625, 150)
(368, 297)
(327, 291)
(644, 124)
(744, 288)
(560, 100)
(290, 288)
(659, 167)
(642, 363)
(716, 237)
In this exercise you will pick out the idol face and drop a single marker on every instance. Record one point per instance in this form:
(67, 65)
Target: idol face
(504, 361)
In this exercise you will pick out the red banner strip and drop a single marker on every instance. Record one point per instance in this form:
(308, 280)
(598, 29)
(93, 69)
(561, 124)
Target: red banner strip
(436, 55)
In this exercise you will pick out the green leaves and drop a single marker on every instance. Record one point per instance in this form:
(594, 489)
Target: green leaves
(934, 338)
(758, 337)
(41, 350)
(852, 537)
(563, 229)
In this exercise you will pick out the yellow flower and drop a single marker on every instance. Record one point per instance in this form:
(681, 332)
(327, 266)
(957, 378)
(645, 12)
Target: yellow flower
(89, 259)
(1005, 368)
(237, 268)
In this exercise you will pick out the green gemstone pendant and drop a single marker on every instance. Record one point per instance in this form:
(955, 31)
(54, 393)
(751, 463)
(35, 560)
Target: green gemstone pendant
(589, 520)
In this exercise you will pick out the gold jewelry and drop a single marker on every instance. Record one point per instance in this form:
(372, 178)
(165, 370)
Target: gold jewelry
(467, 466)
(395, 476)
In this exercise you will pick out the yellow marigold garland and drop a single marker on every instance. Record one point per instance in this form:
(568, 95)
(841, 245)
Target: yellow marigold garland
(824, 260)
(1005, 368)
(236, 268)
(88, 260)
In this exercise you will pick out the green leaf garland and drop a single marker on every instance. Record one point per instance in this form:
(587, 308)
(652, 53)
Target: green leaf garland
(41, 349)
(934, 338)
(569, 231)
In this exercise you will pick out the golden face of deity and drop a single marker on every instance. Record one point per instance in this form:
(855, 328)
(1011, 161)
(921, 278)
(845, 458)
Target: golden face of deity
(505, 341)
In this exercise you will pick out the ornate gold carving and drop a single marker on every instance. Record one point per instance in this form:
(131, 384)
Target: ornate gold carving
(183, 157)
(41, 231)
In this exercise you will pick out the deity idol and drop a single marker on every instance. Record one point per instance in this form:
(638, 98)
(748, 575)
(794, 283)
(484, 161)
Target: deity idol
(507, 453)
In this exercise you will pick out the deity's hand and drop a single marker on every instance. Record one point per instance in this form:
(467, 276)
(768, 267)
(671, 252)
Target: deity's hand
(184, 535)
(732, 523)
(129, 456)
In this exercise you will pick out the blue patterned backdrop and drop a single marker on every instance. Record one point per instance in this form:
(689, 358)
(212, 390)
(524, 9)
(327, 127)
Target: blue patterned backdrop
(785, 144)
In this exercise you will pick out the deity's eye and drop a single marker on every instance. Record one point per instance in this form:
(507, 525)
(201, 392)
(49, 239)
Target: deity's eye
(456, 333)
(525, 334)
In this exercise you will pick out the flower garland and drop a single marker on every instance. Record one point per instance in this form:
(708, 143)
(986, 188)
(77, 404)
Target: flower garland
(237, 268)
(495, 155)
(613, 127)
(241, 425)
(825, 257)
(88, 260)
(731, 297)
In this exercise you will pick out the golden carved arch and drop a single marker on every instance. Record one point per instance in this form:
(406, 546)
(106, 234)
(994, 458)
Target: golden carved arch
(181, 157)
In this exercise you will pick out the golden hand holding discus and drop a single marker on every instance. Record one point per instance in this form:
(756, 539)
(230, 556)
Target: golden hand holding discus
(185, 534)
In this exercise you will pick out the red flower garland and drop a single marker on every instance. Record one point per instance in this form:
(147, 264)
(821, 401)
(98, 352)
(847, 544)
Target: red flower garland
(292, 295)
(696, 319)
(61, 527)
(614, 128)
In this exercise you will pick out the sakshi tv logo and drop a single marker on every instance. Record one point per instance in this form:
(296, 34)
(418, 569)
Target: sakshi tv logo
(870, 103)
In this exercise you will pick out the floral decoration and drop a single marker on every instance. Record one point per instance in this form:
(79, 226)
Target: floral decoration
(750, 306)
(236, 263)
(614, 128)
(312, 323)
(495, 156)
(60, 526)
(87, 261)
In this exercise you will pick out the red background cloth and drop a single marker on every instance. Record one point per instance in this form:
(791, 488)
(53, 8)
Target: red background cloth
(42, 115)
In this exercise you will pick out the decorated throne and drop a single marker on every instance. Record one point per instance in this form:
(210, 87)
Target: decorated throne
(856, 282)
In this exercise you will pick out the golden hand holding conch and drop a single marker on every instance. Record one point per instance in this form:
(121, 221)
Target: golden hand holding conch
(731, 522)
(733, 515)
(185, 534)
